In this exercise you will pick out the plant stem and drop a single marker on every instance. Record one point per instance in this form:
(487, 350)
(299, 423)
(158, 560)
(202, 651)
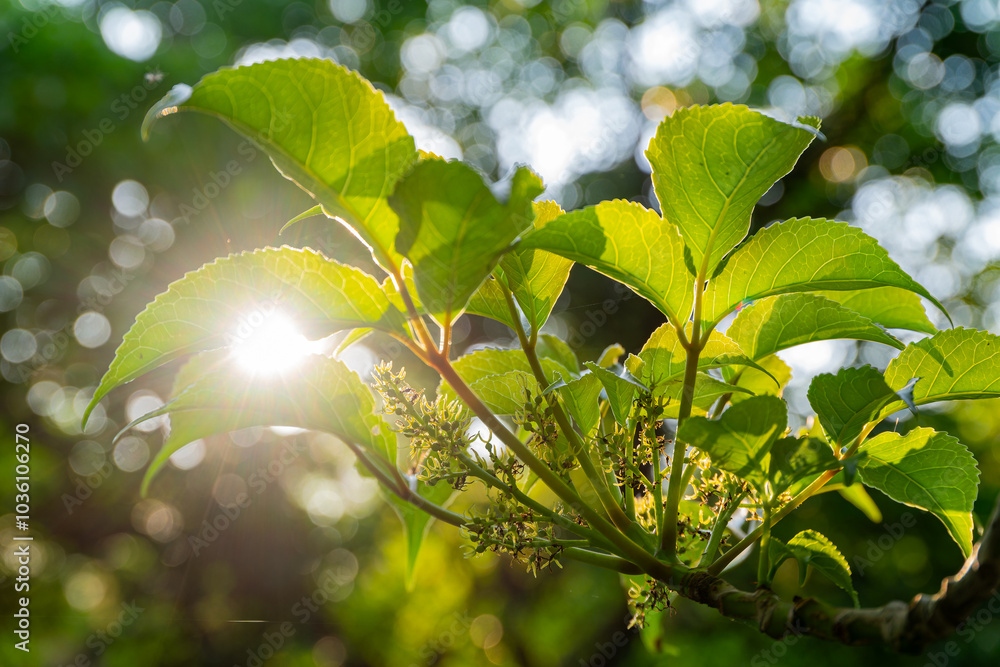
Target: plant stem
(763, 562)
(628, 548)
(555, 518)
(719, 529)
(668, 537)
(726, 558)
(610, 502)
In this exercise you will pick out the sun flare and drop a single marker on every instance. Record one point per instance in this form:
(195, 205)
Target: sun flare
(274, 346)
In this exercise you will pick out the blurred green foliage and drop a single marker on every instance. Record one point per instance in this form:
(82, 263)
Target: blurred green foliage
(909, 99)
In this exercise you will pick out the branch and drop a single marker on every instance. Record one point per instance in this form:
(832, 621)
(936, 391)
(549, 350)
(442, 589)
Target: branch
(907, 628)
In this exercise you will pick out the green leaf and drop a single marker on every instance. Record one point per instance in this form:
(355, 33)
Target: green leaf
(454, 230)
(304, 215)
(629, 243)
(610, 355)
(739, 442)
(892, 307)
(794, 459)
(490, 362)
(846, 402)
(857, 496)
(803, 255)
(812, 548)
(664, 356)
(620, 389)
(489, 301)
(416, 522)
(505, 393)
(779, 322)
(771, 380)
(554, 348)
(707, 390)
(324, 396)
(581, 398)
(928, 470)
(229, 299)
(536, 278)
(953, 364)
(325, 128)
(711, 165)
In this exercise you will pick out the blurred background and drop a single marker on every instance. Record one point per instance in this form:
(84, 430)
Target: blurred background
(94, 223)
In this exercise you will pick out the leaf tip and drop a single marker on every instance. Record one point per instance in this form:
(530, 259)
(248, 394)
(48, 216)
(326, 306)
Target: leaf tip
(169, 104)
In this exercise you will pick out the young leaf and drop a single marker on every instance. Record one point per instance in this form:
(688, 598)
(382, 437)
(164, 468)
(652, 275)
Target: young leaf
(489, 301)
(953, 364)
(536, 278)
(846, 402)
(929, 470)
(325, 128)
(454, 230)
(857, 496)
(707, 390)
(490, 361)
(610, 355)
(739, 442)
(620, 389)
(664, 357)
(892, 307)
(416, 522)
(581, 398)
(794, 459)
(757, 382)
(712, 164)
(505, 393)
(554, 348)
(812, 548)
(325, 396)
(629, 243)
(779, 322)
(228, 299)
(803, 255)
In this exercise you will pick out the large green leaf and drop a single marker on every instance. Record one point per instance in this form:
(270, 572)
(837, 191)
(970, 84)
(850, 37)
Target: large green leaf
(892, 307)
(325, 128)
(664, 356)
(951, 365)
(929, 470)
(711, 165)
(416, 522)
(629, 243)
(707, 390)
(535, 277)
(581, 397)
(846, 402)
(229, 299)
(321, 395)
(740, 441)
(803, 255)
(454, 230)
(812, 548)
(779, 322)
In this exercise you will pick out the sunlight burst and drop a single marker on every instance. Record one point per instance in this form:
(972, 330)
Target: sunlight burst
(275, 346)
